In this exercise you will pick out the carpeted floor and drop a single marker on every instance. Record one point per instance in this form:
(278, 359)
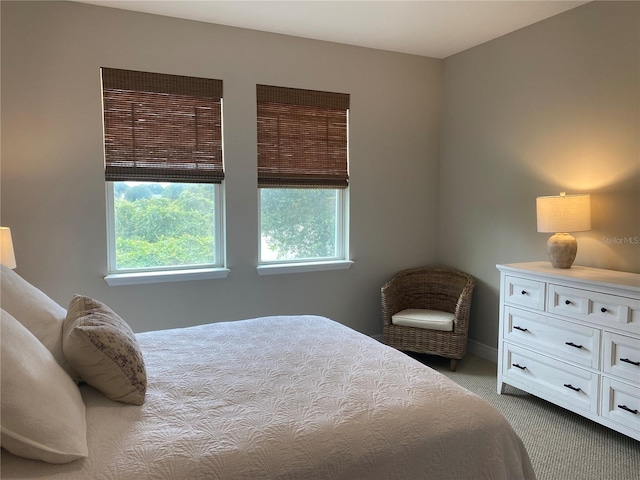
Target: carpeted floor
(561, 444)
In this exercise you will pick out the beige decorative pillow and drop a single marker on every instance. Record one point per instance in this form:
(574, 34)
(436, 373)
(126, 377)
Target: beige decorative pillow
(43, 415)
(101, 347)
(35, 310)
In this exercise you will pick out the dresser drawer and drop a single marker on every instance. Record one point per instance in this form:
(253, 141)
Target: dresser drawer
(572, 386)
(600, 308)
(622, 356)
(524, 292)
(621, 403)
(569, 341)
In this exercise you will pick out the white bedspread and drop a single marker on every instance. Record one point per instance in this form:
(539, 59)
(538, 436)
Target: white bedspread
(287, 398)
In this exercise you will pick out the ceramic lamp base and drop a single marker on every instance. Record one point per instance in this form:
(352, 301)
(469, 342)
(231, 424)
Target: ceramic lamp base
(561, 250)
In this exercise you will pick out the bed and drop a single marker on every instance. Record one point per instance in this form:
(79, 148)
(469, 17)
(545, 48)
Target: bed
(285, 397)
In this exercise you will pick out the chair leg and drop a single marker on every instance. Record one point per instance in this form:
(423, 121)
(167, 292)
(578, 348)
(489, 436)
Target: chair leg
(453, 364)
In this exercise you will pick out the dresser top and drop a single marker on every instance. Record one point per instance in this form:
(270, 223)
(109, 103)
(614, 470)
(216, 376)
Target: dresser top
(578, 273)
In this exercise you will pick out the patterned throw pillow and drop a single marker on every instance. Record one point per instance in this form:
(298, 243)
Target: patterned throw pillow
(103, 350)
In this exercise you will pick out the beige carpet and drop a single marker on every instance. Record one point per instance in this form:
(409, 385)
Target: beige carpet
(561, 444)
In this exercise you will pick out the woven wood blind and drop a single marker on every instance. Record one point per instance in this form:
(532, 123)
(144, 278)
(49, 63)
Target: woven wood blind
(162, 128)
(302, 138)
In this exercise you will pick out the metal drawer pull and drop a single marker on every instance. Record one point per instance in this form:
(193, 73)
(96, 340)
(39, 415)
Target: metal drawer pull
(571, 344)
(626, 360)
(603, 310)
(567, 302)
(624, 407)
(523, 292)
(575, 389)
(519, 366)
(520, 328)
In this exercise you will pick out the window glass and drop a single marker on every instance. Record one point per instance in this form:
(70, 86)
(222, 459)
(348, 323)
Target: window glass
(300, 224)
(163, 225)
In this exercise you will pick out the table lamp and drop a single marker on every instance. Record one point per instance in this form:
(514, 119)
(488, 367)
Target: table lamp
(560, 215)
(7, 257)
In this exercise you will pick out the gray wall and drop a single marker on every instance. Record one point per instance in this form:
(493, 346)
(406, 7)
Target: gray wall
(53, 191)
(552, 107)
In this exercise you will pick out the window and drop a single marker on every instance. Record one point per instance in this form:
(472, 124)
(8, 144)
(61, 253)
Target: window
(302, 175)
(164, 173)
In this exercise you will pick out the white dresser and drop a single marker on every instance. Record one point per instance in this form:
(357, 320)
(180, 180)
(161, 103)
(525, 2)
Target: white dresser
(572, 337)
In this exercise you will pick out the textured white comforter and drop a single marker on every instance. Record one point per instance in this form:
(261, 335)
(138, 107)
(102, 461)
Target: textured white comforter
(288, 398)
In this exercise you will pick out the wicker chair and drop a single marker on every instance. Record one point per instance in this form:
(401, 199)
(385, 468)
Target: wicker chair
(434, 288)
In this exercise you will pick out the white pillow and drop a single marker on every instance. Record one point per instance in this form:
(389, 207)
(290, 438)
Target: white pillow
(43, 415)
(36, 311)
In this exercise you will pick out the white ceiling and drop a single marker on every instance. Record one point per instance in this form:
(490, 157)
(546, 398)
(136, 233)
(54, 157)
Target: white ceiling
(431, 28)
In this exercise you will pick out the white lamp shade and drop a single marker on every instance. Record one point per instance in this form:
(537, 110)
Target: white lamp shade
(7, 257)
(564, 213)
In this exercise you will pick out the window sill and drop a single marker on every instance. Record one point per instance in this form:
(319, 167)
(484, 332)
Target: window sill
(165, 276)
(281, 268)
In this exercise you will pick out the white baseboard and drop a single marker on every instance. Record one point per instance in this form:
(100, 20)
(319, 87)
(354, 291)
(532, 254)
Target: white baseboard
(477, 348)
(483, 351)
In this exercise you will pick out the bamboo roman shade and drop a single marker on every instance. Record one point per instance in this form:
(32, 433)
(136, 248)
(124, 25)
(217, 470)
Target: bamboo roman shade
(302, 138)
(162, 128)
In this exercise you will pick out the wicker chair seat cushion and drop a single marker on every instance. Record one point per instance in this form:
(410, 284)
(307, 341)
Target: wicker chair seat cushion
(422, 318)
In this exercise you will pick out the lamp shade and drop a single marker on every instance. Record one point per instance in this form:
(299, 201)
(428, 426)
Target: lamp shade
(7, 257)
(564, 213)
